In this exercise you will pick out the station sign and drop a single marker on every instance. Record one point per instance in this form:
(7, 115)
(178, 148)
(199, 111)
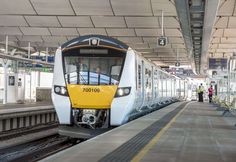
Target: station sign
(219, 74)
(218, 63)
(162, 41)
(177, 64)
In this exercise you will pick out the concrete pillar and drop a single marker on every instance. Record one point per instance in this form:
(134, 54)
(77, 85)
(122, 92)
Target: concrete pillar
(5, 83)
(29, 50)
(27, 121)
(1, 125)
(21, 123)
(30, 86)
(14, 124)
(47, 118)
(8, 124)
(5, 65)
(38, 83)
(38, 119)
(44, 118)
(47, 54)
(52, 117)
(166, 87)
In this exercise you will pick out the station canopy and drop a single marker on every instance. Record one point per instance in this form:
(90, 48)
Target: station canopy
(49, 23)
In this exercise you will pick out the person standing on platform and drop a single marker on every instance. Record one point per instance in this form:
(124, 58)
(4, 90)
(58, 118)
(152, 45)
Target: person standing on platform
(210, 93)
(200, 93)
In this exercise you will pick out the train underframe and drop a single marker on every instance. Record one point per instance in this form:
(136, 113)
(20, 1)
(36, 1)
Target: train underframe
(91, 118)
(87, 123)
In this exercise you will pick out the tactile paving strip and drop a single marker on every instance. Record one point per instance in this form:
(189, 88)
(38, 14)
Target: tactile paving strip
(128, 150)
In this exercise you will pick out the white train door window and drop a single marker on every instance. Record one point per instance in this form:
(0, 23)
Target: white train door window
(155, 84)
(142, 78)
(160, 85)
(163, 85)
(150, 80)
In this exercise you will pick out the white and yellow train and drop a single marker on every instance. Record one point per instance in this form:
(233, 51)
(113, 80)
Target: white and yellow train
(100, 82)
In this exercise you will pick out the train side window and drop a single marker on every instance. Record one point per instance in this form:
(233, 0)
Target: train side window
(150, 78)
(146, 71)
(139, 76)
(146, 78)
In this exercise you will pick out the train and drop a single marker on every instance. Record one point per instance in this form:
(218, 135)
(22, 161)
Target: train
(100, 82)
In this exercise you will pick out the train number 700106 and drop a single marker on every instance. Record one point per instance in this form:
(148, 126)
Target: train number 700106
(96, 90)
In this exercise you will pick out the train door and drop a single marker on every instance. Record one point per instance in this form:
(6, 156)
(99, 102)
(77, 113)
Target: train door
(174, 87)
(171, 86)
(168, 86)
(157, 92)
(143, 83)
(148, 85)
(155, 85)
(164, 90)
(160, 85)
(150, 81)
(139, 83)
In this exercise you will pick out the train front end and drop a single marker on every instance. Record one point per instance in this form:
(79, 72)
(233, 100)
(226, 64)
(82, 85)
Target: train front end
(87, 73)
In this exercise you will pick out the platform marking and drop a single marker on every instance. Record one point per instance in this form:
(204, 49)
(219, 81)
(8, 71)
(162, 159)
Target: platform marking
(156, 138)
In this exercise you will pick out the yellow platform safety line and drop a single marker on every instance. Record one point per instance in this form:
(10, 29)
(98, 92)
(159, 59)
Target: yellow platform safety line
(156, 138)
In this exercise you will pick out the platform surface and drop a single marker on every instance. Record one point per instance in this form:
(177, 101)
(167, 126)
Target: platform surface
(195, 133)
(9, 108)
(23, 105)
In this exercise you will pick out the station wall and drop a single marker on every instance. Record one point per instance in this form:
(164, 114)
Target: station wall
(21, 87)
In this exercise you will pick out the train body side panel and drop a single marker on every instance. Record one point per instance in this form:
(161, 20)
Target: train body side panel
(122, 106)
(61, 103)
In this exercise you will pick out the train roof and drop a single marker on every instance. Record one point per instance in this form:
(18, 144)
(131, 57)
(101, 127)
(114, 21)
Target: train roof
(101, 39)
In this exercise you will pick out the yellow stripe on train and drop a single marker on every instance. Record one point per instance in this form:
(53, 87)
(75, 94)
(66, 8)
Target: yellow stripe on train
(87, 96)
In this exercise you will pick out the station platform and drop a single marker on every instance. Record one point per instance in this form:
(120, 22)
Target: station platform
(14, 117)
(18, 108)
(23, 105)
(180, 132)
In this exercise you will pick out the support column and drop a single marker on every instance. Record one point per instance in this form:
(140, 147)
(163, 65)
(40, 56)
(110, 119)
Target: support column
(5, 83)
(24, 87)
(5, 63)
(38, 83)
(30, 86)
(166, 88)
(47, 54)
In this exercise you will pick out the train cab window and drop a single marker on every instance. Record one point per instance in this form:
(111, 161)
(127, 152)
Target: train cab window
(93, 70)
(115, 71)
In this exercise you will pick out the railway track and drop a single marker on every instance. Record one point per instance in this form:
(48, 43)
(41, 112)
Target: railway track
(39, 148)
(23, 131)
(35, 150)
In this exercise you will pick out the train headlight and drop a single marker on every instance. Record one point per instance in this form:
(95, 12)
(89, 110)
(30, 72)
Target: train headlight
(94, 41)
(63, 90)
(120, 92)
(124, 91)
(57, 89)
(60, 90)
